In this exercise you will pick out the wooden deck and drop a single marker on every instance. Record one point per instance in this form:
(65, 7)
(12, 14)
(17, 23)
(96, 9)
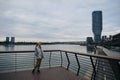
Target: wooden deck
(55, 73)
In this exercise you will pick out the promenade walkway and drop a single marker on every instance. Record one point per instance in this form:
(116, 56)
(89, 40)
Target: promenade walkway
(55, 73)
(105, 66)
(110, 52)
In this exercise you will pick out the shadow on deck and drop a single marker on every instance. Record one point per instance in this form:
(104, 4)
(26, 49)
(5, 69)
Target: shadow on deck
(55, 73)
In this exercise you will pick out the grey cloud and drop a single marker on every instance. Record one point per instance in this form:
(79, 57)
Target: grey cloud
(56, 19)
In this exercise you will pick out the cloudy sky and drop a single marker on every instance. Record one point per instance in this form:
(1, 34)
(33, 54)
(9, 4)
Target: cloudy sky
(56, 20)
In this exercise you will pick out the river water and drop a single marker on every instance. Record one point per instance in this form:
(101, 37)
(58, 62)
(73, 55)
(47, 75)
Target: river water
(76, 48)
(10, 62)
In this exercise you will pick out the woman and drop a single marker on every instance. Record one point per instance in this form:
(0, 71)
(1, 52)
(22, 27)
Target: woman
(39, 56)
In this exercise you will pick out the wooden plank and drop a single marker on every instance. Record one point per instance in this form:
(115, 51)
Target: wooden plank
(55, 73)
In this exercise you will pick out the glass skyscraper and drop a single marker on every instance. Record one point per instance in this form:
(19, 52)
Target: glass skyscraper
(12, 39)
(97, 25)
(7, 39)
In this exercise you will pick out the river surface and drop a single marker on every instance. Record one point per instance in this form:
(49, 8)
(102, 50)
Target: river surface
(76, 48)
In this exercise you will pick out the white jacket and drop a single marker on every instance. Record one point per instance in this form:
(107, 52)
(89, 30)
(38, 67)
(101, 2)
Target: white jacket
(38, 52)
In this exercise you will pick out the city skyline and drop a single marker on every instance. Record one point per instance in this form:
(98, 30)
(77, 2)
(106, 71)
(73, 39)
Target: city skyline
(56, 20)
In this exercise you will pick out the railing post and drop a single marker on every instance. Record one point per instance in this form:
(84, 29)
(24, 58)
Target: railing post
(50, 60)
(94, 71)
(34, 61)
(78, 64)
(61, 58)
(67, 60)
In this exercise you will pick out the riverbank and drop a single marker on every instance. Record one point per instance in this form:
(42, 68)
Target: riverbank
(110, 52)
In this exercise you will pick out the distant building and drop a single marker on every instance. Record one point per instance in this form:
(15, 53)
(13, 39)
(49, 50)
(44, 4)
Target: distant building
(116, 40)
(104, 38)
(7, 40)
(89, 40)
(110, 37)
(12, 39)
(97, 25)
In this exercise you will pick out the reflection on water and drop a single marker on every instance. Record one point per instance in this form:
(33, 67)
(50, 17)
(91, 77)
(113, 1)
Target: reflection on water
(9, 47)
(90, 49)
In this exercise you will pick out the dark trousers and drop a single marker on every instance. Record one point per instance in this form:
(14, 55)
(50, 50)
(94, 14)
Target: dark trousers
(38, 63)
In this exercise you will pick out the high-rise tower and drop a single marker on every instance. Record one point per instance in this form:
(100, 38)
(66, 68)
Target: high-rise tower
(12, 39)
(97, 25)
(7, 40)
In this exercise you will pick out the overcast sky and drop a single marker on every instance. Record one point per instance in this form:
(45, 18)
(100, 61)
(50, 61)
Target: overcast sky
(56, 20)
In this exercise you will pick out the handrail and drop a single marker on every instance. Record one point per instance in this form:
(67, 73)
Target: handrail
(79, 53)
(86, 54)
(96, 69)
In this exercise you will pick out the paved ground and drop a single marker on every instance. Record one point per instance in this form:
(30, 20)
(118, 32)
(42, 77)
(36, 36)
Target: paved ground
(56, 73)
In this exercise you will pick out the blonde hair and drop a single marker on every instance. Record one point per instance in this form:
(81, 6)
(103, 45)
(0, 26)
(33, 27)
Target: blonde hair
(39, 43)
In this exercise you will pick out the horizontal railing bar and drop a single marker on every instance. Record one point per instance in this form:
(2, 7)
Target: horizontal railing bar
(52, 50)
(16, 51)
(85, 54)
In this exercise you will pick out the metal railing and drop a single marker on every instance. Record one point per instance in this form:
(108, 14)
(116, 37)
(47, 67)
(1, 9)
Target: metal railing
(12, 61)
(90, 66)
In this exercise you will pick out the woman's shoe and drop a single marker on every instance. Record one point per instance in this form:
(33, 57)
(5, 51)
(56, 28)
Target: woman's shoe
(33, 70)
(38, 71)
